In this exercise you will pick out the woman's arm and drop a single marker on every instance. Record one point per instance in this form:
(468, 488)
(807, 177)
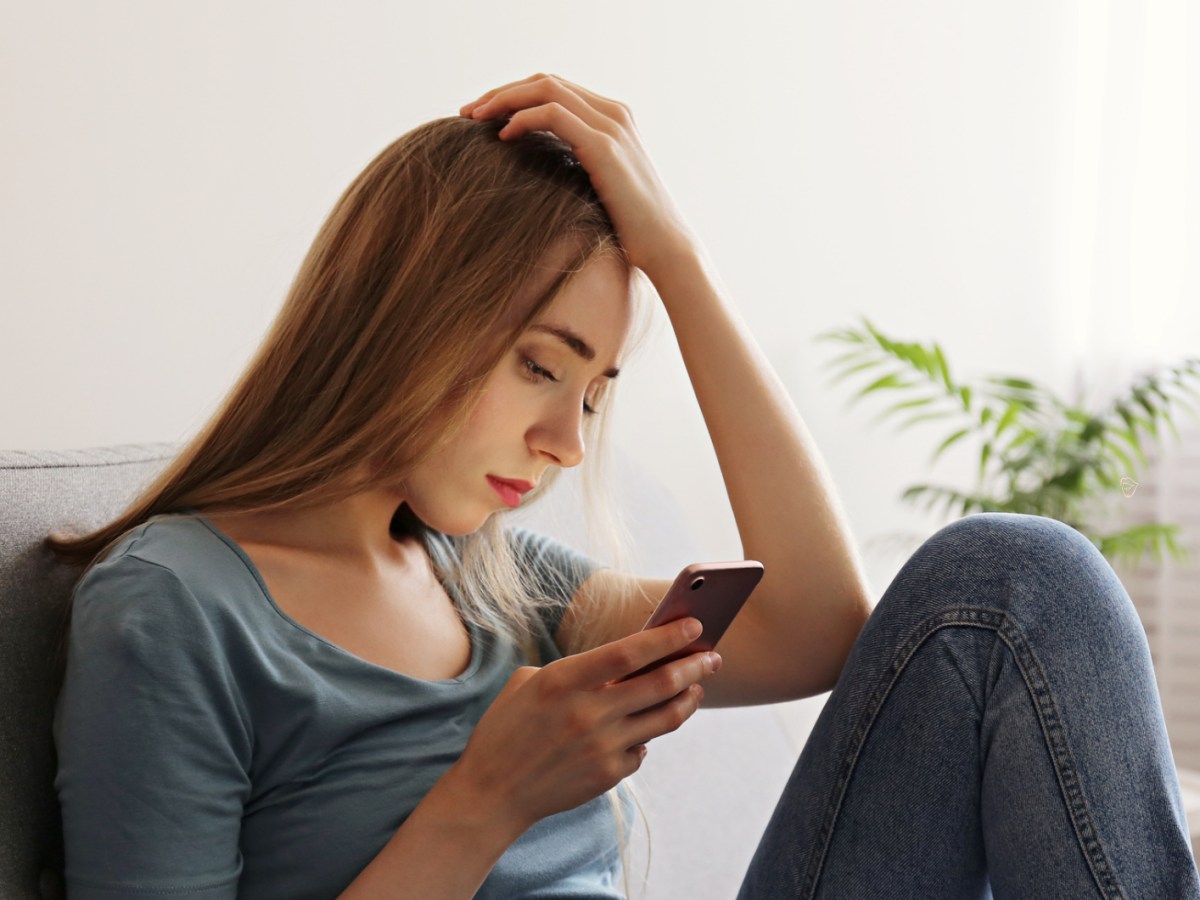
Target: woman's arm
(813, 597)
(813, 594)
(443, 851)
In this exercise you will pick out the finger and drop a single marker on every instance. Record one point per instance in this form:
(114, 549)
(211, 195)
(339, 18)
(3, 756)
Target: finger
(531, 96)
(544, 91)
(641, 693)
(662, 719)
(596, 668)
(554, 117)
(611, 108)
(488, 95)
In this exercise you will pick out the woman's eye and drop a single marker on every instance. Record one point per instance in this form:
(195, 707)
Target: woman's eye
(539, 373)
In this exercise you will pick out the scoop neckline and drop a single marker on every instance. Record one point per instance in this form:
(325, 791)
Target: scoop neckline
(473, 633)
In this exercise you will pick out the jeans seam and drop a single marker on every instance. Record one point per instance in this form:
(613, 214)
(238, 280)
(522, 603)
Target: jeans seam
(1064, 763)
(1048, 716)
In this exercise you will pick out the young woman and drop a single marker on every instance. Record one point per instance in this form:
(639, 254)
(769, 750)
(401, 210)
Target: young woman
(294, 663)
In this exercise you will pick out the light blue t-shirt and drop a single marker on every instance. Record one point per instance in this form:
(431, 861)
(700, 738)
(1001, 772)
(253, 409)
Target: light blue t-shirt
(209, 746)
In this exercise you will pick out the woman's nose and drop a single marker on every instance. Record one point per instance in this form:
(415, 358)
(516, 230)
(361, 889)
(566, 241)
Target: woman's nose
(561, 436)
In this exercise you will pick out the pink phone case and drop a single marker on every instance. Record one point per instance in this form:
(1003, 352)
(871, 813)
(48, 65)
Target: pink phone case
(712, 592)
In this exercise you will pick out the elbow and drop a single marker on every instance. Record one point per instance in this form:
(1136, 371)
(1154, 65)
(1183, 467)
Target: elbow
(856, 620)
(861, 610)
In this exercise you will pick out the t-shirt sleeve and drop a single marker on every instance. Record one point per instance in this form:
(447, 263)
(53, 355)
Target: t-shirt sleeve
(557, 570)
(153, 742)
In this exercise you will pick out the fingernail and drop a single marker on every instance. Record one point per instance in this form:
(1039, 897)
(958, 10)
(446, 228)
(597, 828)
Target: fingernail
(714, 661)
(692, 629)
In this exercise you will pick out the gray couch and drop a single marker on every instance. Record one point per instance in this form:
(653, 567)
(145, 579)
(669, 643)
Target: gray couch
(708, 789)
(41, 492)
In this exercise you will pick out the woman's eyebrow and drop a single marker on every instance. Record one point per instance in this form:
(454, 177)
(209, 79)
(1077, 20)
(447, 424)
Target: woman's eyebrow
(581, 347)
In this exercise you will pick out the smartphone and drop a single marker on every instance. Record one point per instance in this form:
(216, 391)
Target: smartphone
(712, 592)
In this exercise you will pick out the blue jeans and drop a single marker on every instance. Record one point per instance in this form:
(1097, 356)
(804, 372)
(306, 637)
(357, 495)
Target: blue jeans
(996, 731)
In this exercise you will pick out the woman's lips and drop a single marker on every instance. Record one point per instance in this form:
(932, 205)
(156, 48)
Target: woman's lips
(510, 492)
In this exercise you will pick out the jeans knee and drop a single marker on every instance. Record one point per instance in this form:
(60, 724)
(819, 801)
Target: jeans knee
(1048, 555)
(1029, 537)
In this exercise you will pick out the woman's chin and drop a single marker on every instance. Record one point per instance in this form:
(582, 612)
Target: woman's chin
(409, 521)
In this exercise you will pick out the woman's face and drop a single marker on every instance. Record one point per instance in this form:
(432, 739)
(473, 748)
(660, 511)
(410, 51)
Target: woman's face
(532, 412)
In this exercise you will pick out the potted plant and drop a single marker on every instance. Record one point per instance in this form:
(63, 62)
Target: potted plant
(1039, 455)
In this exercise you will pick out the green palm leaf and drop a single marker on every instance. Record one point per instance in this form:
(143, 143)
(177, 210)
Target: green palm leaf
(1046, 456)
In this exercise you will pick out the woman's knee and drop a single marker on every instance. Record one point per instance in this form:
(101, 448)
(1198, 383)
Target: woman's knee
(1040, 557)
(1020, 539)
(1014, 532)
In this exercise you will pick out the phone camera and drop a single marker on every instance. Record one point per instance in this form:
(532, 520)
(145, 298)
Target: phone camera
(696, 585)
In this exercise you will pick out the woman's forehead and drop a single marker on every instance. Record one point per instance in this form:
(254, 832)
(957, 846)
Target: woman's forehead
(596, 306)
(601, 290)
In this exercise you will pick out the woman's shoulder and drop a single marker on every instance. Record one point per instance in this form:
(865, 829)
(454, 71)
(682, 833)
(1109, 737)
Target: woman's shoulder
(180, 542)
(168, 555)
(162, 599)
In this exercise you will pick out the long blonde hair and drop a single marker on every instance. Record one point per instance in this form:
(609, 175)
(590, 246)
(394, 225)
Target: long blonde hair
(425, 272)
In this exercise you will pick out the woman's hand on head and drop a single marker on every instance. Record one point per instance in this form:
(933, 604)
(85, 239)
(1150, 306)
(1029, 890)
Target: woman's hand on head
(605, 140)
(558, 736)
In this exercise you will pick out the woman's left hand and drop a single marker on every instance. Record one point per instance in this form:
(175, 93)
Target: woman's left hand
(605, 140)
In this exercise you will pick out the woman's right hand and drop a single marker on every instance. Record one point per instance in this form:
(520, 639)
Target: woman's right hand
(560, 735)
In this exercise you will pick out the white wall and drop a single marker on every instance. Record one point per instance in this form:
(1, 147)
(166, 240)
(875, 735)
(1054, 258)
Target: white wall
(165, 165)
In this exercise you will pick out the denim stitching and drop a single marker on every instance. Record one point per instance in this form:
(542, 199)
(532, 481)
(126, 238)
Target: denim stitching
(1064, 763)
(1052, 729)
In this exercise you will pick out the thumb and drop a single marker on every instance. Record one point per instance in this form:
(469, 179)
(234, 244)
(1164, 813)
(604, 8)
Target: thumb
(520, 675)
(526, 672)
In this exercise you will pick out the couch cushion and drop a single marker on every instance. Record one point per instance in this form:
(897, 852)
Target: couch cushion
(40, 492)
